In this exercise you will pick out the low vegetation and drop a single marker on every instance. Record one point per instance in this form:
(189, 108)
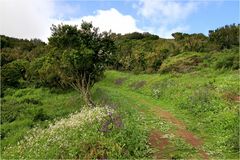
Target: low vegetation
(136, 95)
(198, 98)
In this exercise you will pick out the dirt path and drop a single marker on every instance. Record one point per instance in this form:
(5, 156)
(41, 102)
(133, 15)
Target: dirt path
(181, 131)
(237, 99)
(159, 141)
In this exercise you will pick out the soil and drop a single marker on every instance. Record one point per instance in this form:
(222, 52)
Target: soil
(157, 141)
(168, 117)
(189, 137)
(232, 97)
(162, 145)
(181, 131)
(237, 98)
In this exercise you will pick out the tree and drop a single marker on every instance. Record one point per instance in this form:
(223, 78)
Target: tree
(12, 72)
(81, 55)
(191, 42)
(226, 37)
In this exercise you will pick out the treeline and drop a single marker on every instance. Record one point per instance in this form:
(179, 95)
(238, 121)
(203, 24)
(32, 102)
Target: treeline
(135, 53)
(29, 62)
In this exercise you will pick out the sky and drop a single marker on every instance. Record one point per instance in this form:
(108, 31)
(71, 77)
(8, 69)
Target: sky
(33, 18)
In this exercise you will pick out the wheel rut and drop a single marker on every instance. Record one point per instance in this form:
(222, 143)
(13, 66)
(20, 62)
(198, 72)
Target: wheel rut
(157, 139)
(160, 143)
(181, 131)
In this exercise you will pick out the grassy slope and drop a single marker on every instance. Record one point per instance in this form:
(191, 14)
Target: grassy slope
(214, 118)
(70, 138)
(23, 109)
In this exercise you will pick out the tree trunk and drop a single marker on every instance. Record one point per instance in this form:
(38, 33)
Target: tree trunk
(87, 98)
(83, 87)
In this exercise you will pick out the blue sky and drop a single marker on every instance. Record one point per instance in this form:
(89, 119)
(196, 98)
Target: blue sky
(32, 18)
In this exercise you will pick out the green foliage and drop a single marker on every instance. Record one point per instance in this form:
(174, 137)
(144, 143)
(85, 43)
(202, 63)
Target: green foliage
(182, 63)
(201, 87)
(202, 100)
(141, 55)
(40, 115)
(13, 132)
(43, 72)
(33, 70)
(80, 55)
(197, 97)
(22, 44)
(22, 109)
(12, 72)
(73, 138)
(226, 37)
(5, 57)
(131, 48)
(227, 60)
(137, 36)
(10, 75)
(159, 88)
(191, 42)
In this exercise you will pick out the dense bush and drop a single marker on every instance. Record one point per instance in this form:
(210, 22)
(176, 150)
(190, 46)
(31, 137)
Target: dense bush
(40, 115)
(227, 60)
(12, 72)
(182, 63)
(107, 133)
(191, 42)
(226, 37)
(43, 72)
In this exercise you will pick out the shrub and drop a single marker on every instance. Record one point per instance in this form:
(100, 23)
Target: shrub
(8, 114)
(20, 104)
(31, 101)
(229, 60)
(42, 72)
(12, 72)
(182, 63)
(40, 116)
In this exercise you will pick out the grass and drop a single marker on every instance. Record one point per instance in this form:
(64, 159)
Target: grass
(198, 98)
(124, 136)
(23, 109)
(204, 100)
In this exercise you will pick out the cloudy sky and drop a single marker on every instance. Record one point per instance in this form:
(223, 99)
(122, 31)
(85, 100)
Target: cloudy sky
(33, 18)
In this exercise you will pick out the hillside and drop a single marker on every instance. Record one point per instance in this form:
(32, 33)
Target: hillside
(92, 95)
(193, 115)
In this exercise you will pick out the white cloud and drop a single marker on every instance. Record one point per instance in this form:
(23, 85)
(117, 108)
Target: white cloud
(166, 16)
(166, 11)
(33, 18)
(26, 18)
(110, 19)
